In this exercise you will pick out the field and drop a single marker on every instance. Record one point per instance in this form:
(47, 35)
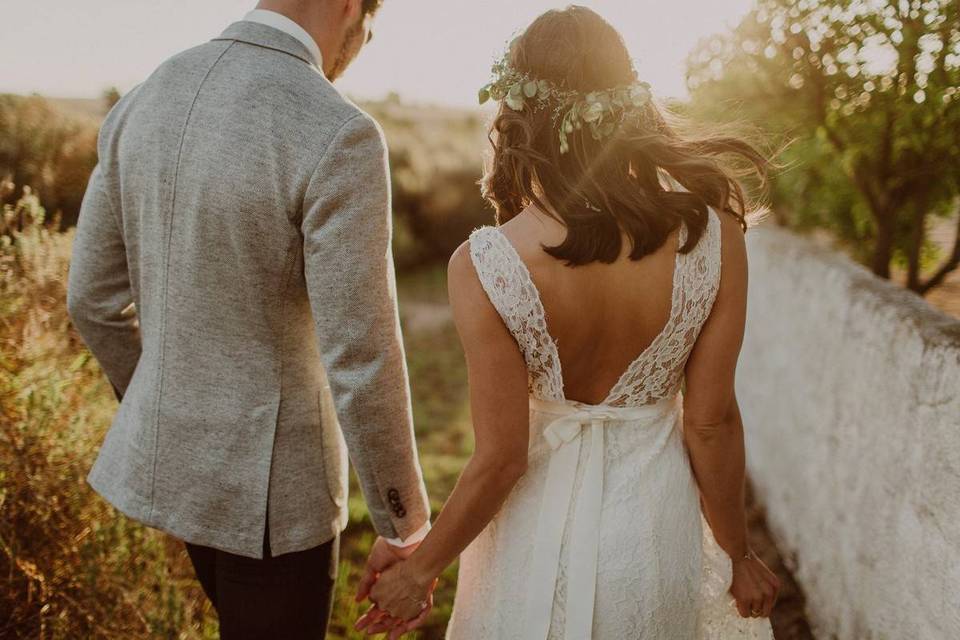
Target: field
(74, 566)
(865, 160)
(78, 568)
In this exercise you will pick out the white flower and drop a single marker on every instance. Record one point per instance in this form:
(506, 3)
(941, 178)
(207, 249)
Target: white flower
(639, 95)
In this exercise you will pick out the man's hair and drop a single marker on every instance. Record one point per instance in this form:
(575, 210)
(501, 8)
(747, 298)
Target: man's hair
(372, 6)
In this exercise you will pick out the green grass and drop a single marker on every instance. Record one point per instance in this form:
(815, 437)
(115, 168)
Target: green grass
(74, 567)
(444, 439)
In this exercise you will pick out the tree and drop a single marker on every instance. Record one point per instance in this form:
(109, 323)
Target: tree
(869, 89)
(51, 152)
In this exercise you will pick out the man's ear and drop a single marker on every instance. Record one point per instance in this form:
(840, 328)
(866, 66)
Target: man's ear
(352, 10)
(343, 11)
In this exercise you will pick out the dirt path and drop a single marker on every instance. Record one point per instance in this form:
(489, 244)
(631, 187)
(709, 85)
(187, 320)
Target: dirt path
(789, 618)
(425, 316)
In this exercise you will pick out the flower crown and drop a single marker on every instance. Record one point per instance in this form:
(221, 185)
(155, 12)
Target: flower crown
(602, 111)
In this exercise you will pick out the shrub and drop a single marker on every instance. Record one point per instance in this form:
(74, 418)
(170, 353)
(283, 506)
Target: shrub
(72, 567)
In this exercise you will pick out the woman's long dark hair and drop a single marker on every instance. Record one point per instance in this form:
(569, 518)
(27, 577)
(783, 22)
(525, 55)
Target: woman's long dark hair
(577, 49)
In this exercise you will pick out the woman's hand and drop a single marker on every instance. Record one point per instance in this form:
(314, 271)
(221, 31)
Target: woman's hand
(401, 601)
(754, 587)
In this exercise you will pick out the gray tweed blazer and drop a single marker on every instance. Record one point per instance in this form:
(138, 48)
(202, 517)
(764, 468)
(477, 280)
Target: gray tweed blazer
(242, 204)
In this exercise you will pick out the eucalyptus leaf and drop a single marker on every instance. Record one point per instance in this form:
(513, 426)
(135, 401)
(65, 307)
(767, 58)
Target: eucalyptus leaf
(601, 110)
(514, 102)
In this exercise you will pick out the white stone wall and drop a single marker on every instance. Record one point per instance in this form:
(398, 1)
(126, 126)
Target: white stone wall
(850, 392)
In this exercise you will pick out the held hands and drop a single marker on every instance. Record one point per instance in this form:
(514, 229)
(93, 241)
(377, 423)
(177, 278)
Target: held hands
(401, 602)
(754, 587)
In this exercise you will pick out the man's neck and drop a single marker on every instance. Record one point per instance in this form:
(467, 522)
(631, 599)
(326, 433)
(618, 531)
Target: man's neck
(311, 18)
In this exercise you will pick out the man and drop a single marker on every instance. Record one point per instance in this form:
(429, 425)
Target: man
(243, 205)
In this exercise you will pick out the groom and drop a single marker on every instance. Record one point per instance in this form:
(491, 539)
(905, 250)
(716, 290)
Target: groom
(243, 205)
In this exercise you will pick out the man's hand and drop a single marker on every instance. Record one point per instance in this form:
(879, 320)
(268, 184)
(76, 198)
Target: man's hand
(383, 555)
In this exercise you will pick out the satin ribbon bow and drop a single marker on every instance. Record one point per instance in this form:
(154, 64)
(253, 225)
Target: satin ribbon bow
(567, 428)
(572, 424)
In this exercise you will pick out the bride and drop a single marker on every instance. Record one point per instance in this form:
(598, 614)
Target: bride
(601, 322)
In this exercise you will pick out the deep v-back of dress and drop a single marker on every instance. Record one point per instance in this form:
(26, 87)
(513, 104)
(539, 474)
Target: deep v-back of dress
(615, 395)
(603, 536)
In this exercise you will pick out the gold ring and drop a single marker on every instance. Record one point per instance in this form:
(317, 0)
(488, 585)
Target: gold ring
(755, 612)
(423, 604)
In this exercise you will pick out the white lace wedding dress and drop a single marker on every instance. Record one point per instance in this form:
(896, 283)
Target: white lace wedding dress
(603, 536)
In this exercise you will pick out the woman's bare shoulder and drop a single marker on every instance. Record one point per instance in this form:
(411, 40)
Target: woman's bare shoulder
(461, 272)
(733, 255)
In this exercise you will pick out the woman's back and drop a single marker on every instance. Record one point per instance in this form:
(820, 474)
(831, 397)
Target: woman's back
(602, 316)
(622, 331)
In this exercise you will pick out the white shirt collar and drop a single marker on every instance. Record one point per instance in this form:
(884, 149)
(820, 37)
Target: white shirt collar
(288, 26)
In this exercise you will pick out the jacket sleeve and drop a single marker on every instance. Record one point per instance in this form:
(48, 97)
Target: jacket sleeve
(98, 286)
(349, 272)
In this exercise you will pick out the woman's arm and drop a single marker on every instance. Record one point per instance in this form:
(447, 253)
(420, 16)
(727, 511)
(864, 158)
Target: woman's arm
(500, 409)
(712, 427)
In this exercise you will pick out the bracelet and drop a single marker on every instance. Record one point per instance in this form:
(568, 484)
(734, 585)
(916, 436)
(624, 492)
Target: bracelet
(749, 555)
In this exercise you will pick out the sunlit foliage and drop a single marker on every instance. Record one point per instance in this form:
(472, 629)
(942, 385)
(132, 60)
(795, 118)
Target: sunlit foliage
(869, 89)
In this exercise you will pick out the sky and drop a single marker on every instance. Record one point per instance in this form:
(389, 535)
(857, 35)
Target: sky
(431, 51)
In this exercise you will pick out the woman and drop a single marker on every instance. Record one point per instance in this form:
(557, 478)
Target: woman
(601, 501)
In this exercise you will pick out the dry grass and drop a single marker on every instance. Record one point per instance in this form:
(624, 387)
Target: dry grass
(71, 568)
(74, 567)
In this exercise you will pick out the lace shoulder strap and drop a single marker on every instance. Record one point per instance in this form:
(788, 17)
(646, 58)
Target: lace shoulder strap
(699, 278)
(511, 290)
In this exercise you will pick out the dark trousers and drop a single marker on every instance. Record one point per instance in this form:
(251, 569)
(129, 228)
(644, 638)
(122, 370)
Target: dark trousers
(287, 597)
